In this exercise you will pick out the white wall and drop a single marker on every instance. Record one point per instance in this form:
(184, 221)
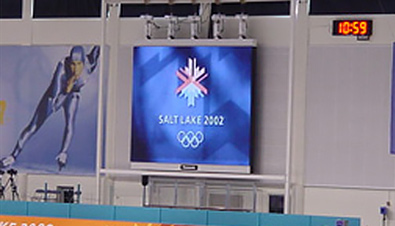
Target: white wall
(348, 168)
(363, 203)
(272, 58)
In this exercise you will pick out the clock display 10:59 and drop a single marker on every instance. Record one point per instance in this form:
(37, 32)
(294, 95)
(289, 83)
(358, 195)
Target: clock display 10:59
(352, 27)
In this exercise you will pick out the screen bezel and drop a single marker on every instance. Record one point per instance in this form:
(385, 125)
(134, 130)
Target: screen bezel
(188, 167)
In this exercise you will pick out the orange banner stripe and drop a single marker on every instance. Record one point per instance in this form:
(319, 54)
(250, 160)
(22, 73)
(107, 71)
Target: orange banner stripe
(49, 221)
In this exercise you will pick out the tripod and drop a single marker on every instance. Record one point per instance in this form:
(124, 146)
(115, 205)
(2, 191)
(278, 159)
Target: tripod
(14, 188)
(2, 188)
(11, 182)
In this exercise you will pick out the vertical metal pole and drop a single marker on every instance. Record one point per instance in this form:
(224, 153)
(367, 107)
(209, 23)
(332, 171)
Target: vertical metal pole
(144, 182)
(293, 11)
(150, 193)
(99, 136)
(298, 56)
(204, 12)
(175, 192)
(201, 194)
(144, 195)
(254, 198)
(45, 192)
(78, 193)
(27, 9)
(227, 198)
(27, 16)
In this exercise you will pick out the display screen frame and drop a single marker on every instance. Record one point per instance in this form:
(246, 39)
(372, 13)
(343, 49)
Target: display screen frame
(352, 27)
(202, 167)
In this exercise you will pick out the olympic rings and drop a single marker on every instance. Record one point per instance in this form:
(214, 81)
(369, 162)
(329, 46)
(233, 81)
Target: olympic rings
(190, 139)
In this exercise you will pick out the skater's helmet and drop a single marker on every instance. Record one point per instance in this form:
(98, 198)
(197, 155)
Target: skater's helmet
(77, 53)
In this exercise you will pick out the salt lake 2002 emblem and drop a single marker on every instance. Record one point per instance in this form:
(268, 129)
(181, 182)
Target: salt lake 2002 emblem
(192, 76)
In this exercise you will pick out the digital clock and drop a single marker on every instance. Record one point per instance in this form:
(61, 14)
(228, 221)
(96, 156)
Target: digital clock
(352, 27)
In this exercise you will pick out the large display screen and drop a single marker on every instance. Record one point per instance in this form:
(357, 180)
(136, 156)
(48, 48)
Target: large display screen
(192, 106)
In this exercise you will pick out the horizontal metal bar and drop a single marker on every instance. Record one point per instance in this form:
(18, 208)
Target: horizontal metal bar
(277, 178)
(186, 1)
(353, 187)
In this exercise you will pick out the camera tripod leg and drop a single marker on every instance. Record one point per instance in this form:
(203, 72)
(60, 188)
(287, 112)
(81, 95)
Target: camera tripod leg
(2, 189)
(15, 194)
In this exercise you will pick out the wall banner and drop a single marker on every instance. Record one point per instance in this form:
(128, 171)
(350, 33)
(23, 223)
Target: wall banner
(48, 109)
(47, 221)
(392, 146)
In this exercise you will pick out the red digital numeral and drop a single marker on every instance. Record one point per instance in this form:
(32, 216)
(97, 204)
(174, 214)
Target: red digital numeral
(364, 27)
(346, 27)
(355, 28)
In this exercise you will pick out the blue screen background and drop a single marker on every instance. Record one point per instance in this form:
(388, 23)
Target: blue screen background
(228, 98)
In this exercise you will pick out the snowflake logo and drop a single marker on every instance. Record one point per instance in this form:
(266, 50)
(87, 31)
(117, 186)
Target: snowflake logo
(191, 75)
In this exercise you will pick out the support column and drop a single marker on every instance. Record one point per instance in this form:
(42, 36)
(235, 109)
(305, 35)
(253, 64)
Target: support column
(112, 39)
(296, 107)
(27, 16)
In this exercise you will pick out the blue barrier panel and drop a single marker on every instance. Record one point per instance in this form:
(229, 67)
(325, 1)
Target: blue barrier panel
(13, 208)
(183, 216)
(267, 219)
(42, 209)
(93, 212)
(226, 218)
(331, 221)
(137, 214)
(169, 216)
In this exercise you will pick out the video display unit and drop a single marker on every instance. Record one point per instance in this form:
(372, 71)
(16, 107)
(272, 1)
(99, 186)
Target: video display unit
(192, 106)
